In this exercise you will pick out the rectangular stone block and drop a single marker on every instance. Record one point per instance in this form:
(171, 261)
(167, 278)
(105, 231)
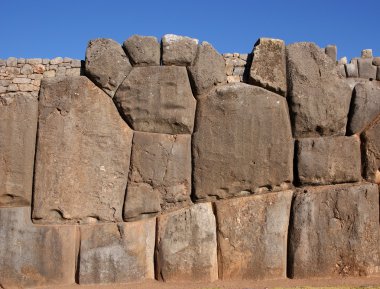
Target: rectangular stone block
(328, 160)
(186, 245)
(252, 236)
(117, 253)
(18, 128)
(334, 231)
(366, 69)
(32, 255)
(351, 69)
(371, 152)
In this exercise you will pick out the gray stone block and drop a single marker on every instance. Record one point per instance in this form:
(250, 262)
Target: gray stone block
(352, 69)
(366, 69)
(143, 50)
(178, 50)
(331, 51)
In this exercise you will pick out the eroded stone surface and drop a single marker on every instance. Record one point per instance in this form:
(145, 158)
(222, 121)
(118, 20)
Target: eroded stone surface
(106, 64)
(207, 69)
(143, 50)
(18, 128)
(178, 50)
(319, 99)
(328, 160)
(366, 69)
(83, 152)
(243, 141)
(268, 68)
(117, 253)
(35, 255)
(253, 235)
(371, 152)
(186, 245)
(335, 231)
(157, 99)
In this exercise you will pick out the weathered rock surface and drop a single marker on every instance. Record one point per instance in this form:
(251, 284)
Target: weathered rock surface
(207, 69)
(268, 68)
(335, 231)
(143, 50)
(83, 153)
(117, 253)
(252, 236)
(18, 128)
(319, 99)
(366, 69)
(160, 174)
(331, 51)
(35, 255)
(352, 69)
(328, 160)
(186, 245)
(106, 64)
(365, 106)
(243, 141)
(157, 99)
(371, 152)
(178, 50)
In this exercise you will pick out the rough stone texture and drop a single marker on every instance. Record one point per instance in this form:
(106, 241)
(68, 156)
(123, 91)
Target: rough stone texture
(34, 255)
(186, 245)
(252, 236)
(366, 53)
(378, 73)
(83, 151)
(328, 160)
(160, 174)
(319, 99)
(106, 64)
(157, 99)
(352, 70)
(268, 68)
(207, 69)
(243, 141)
(117, 253)
(335, 232)
(18, 128)
(366, 69)
(365, 106)
(143, 50)
(371, 152)
(331, 51)
(178, 50)
(376, 61)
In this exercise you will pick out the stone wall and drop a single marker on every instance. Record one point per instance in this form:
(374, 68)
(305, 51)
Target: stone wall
(169, 161)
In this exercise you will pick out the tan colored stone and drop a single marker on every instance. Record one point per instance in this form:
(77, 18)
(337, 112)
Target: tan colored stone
(82, 156)
(178, 50)
(143, 50)
(371, 152)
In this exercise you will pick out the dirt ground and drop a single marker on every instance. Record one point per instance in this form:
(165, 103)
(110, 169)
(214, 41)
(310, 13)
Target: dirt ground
(363, 282)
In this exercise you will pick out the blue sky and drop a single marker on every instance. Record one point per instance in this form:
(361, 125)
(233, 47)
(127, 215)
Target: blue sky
(47, 28)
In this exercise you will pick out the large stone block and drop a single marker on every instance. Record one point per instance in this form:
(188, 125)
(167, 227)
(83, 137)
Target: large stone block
(83, 152)
(334, 231)
(178, 50)
(18, 128)
(366, 69)
(106, 64)
(319, 99)
(365, 106)
(143, 50)
(186, 245)
(268, 68)
(117, 253)
(371, 152)
(157, 99)
(243, 142)
(208, 69)
(35, 255)
(160, 174)
(328, 160)
(252, 236)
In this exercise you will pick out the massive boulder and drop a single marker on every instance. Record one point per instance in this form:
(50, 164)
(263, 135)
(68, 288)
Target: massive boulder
(18, 128)
(371, 152)
(34, 255)
(328, 160)
(186, 245)
(334, 231)
(268, 68)
(178, 50)
(160, 174)
(252, 236)
(242, 142)
(319, 99)
(143, 50)
(208, 69)
(117, 253)
(157, 99)
(365, 106)
(106, 64)
(83, 152)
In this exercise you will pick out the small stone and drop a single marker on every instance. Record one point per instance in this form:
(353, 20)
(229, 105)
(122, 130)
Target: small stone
(331, 51)
(27, 69)
(36, 76)
(12, 87)
(61, 71)
(21, 61)
(352, 69)
(56, 60)
(235, 62)
(4, 82)
(67, 59)
(75, 63)
(27, 87)
(343, 60)
(244, 56)
(178, 50)
(12, 70)
(12, 62)
(39, 68)
(229, 69)
(227, 55)
(143, 50)
(236, 55)
(3, 89)
(34, 61)
(341, 70)
(366, 69)
(3, 62)
(238, 71)
(376, 61)
(367, 53)
(21, 80)
(233, 78)
(36, 82)
(45, 61)
(73, 71)
(49, 73)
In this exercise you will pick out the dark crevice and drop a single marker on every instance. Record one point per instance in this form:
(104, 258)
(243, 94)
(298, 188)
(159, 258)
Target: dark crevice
(350, 113)
(218, 250)
(296, 179)
(77, 260)
(289, 253)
